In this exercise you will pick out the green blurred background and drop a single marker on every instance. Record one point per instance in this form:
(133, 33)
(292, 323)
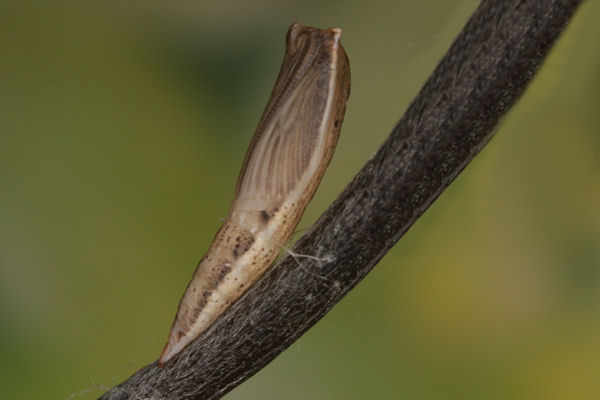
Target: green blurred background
(123, 126)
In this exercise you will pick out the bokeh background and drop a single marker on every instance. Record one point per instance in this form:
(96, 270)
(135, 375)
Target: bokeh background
(123, 125)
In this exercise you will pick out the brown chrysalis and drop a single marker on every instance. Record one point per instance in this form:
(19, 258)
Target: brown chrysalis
(290, 150)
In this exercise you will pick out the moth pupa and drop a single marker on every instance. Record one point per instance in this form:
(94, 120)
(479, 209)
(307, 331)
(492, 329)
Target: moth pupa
(286, 159)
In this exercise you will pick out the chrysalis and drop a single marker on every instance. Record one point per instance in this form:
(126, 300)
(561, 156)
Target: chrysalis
(287, 157)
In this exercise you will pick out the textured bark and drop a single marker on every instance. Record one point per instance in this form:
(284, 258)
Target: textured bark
(454, 115)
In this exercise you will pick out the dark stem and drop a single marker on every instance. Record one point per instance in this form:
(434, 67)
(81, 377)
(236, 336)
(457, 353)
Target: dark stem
(482, 75)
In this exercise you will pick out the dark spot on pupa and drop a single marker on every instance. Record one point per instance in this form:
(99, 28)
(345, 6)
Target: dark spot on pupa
(218, 275)
(224, 270)
(202, 300)
(244, 243)
(265, 215)
(337, 123)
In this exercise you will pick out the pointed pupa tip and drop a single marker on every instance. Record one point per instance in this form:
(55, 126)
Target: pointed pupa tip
(164, 356)
(173, 346)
